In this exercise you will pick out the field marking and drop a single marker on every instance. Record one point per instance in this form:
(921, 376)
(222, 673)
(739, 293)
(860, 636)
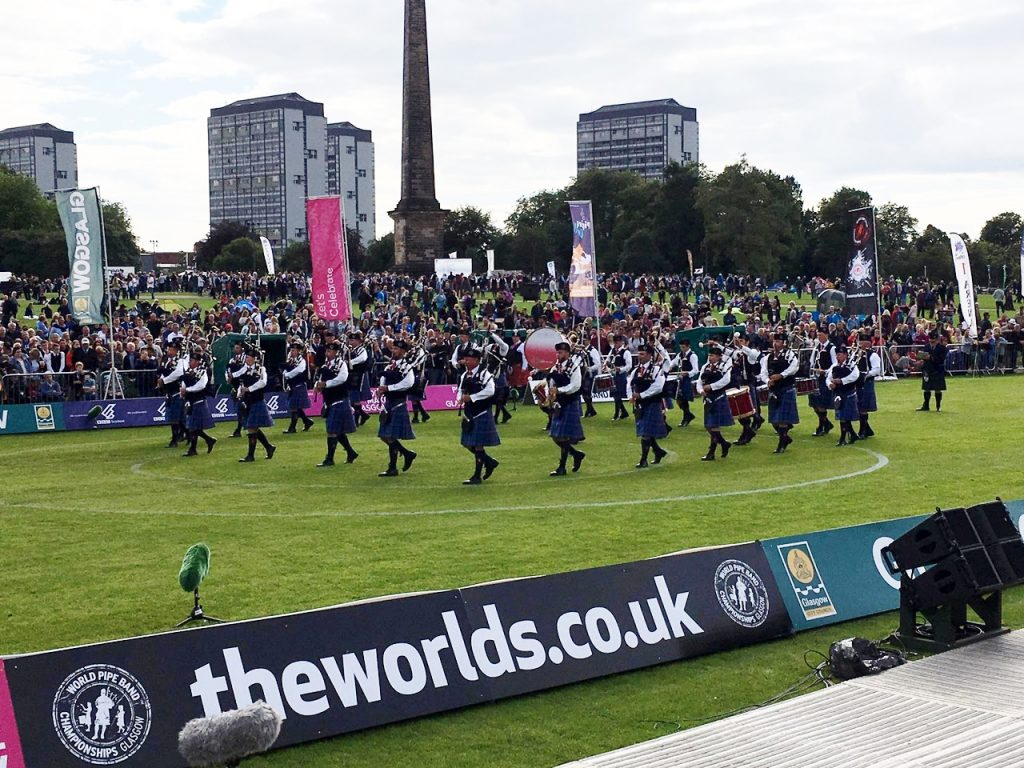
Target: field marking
(881, 461)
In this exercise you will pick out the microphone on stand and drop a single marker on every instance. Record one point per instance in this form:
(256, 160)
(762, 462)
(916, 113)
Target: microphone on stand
(225, 739)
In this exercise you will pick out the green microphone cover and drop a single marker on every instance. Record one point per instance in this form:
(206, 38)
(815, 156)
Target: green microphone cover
(94, 412)
(194, 567)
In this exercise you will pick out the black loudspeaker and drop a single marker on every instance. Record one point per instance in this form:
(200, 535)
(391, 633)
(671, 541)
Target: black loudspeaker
(968, 556)
(530, 291)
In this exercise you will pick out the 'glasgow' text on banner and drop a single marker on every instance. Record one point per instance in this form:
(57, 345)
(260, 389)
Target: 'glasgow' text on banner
(82, 218)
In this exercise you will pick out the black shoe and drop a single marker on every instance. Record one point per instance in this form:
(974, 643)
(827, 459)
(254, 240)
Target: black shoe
(658, 456)
(172, 444)
(577, 460)
(271, 450)
(288, 431)
(349, 458)
(642, 464)
(819, 432)
(210, 443)
(472, 481)
(687, 420)
(725, 448)
(506, 418)
(615, 417)
(389, 472)
(309, 425)
(708, 457)
(416, 419)
(842, 441)
(189, 453)
(236, 433)
(557, 473)
(924, 408)
(744, 440)
(489, 467)
(326, 463)
(407, 460)
(758, 422)
(827, 428)
(787, 441)
(852, 438)
(246, 460)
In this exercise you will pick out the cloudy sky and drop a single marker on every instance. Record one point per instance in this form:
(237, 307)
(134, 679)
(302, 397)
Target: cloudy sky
(917, 101)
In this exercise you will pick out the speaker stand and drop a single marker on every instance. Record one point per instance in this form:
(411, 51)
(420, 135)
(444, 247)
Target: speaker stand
(946, 626)
(197, 615)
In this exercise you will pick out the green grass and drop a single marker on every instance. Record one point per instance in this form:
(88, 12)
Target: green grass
(94, 525)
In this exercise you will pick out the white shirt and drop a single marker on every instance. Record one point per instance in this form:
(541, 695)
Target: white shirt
(722, 383)
(200, 384)
(406, 383)
(298, 370)
(652, 392)
(488, 384)
(849, 379)
(575, 382)
(340, 378)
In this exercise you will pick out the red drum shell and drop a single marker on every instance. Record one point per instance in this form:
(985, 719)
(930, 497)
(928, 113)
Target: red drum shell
(741, 403)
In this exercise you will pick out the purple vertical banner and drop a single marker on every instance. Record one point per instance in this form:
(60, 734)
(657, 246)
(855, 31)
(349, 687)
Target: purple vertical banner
(583, 268)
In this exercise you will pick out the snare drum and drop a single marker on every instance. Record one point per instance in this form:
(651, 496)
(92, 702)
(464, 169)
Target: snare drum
(806, 386)
(763, 393)
(671, 388)
(741, 403)
(604, 382)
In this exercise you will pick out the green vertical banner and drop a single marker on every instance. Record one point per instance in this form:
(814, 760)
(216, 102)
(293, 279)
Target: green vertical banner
(82, 218)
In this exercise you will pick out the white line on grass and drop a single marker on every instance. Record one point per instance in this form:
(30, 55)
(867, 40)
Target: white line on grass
(881, 461)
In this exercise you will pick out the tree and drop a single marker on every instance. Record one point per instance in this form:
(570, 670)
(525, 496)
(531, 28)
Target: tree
(1003, 230)
(296, 258)
(220, 235)
(752, 218)
(640, 254)
(356, 250)
(467, 231)
(22, 205)
(834, 227)
(678, 222)
(380, 255)
(931, 253)
(895, 234)
(241, 255)
(122, 246)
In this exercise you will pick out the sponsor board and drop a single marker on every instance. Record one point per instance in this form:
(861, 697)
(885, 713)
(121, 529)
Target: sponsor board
(360, 665)
(806, 581)
(37, 417)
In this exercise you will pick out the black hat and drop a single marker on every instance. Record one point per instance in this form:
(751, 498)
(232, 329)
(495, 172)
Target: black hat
(328, 332)
(933, 335)
(685, 341)
(335, 345)
(841, 349)
(473, 352)
(401, 344)
(173, 342)
(864, 337)
(644, 348)
(250, 351)
(296, 345)
(714, 349)
(196, 354)
(356, 334)
(779, 336)
(562, 346)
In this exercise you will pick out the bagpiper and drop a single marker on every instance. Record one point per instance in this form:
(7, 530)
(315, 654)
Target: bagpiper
(296, 383)
(823, 357)
(647, 382)
(169, 374)
(621, 363)
(252, 384)
(235, 364)
(778, 371)
(395, 382)
(332, 383)
(933, 372)
(745, 369)
(563, 381)
(475, 396)
(193, 390)
(359, 376)
(689, 371)
(713, 380)
(842, 383)
(496, 356)
(869, 364)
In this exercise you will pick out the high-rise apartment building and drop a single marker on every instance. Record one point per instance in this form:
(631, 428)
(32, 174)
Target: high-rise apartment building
(350, 175)
(643, 137)
(267, 155)
(42, 152)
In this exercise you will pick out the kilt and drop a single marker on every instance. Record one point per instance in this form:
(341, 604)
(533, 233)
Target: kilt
(566, 424)
(847, 408)
(782, 408)
(717, 413)
(500, 389)
(397, 426)
(933, 382)
(866, 400)
(685, 389)
(418, 391)
(361, 393)
(198, 416)
(175, 410)
(822, 399)
(620, 385)
(480, 431)
(650, 421)
(298, 398)
(340, 420)
(258, 416)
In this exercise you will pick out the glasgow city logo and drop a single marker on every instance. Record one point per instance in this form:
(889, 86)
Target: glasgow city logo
(102, 714)
(742, 593)
(806, 580)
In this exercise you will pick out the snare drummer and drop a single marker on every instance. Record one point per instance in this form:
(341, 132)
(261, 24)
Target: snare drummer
(746, 367)
(778, 370)
(869, 364)
(712, 383)
(591, 368)
(621, 364)
(689, 371)
(823, 357)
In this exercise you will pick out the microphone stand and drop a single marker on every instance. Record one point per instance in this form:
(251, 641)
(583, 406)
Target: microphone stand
(197, 614)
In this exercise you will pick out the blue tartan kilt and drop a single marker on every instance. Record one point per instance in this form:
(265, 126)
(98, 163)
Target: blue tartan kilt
(340, 420)
(501, 389)
(822, 399)
(298, 398)
(567, 424)
(175, 410)
(361, 393)
(782, 408)
(847, 409)
(480, 431)
(866, 400)
(650, 421)
(198, 416)
(258, 416)
(717, 413)
(685, 389)
(394, 424)
(620, 385)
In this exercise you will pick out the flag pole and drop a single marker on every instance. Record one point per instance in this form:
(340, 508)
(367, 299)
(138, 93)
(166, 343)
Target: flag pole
(112, 380)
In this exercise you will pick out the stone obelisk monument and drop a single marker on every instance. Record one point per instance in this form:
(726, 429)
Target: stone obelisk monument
(419, 220)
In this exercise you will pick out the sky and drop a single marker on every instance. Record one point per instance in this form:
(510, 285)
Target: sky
(918, 102)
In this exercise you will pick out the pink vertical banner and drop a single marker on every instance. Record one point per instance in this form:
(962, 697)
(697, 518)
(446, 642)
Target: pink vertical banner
(332, 298)
(10, 746)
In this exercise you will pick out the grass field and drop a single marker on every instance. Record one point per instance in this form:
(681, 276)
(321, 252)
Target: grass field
(93, 526)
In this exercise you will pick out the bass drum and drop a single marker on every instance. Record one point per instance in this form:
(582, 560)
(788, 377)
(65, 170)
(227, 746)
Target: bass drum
(539, 349)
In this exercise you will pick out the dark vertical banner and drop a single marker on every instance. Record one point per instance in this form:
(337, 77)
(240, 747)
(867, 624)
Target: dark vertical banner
(862, 265)
(583, 267)
(82, 218)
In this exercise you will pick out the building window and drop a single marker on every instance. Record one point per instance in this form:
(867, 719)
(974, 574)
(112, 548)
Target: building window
(350, 150)
(300, 232)
(296, 125)
(299, 179)
(351, 195)
(311, 154)
(362, 217)
(47, 150)
(62, 174)
(361, 173)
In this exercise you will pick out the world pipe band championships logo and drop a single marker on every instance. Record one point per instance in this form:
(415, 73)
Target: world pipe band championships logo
(742, 593)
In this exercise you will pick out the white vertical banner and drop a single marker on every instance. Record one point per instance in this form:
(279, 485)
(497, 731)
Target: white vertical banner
(453, 254)
(551, 269)
(490, 262)
(1022, 262)
(268, 254)
(964, 278)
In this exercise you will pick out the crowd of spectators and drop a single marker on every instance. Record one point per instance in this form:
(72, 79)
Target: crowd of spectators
(45, 355)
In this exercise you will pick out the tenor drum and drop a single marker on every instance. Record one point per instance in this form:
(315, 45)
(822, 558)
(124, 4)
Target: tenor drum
(741, 403)
(539, 348)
